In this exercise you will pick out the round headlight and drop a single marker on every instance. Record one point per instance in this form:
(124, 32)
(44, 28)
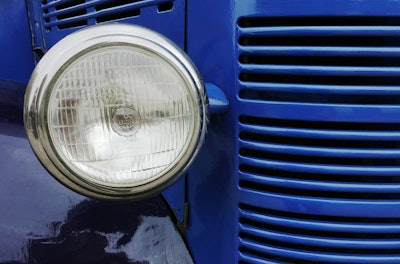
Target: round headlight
(116, 112)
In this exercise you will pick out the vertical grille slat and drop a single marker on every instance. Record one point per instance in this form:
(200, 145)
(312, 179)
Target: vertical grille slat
(318, 139)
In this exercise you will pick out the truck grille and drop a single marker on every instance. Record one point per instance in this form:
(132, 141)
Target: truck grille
(319, 137)
(77, 13)
(53, 20)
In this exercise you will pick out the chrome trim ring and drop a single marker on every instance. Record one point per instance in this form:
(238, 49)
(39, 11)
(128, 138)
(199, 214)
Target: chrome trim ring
(69, 50)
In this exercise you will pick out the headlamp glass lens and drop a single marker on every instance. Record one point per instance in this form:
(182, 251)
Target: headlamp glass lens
(120, 116)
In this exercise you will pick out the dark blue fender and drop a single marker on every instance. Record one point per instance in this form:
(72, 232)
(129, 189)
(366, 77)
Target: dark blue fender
(42, 221)
(16, 57)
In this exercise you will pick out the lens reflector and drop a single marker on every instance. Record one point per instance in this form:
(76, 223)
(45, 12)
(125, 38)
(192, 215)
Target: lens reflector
(120, 115)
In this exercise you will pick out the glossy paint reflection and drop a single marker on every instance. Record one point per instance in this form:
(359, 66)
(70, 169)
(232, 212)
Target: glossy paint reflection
(41, 221)
(99, 232)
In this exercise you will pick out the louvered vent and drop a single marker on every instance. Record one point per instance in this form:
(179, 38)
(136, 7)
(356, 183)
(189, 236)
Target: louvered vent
(294, 238)
(319, 139)
(76, 13)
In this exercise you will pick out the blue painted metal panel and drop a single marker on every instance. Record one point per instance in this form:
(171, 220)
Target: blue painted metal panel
(16, 58)
(211, 233)
(218, 103)
(314, 113)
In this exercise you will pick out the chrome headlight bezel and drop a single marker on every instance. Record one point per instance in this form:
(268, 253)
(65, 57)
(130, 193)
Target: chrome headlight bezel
(69, 50)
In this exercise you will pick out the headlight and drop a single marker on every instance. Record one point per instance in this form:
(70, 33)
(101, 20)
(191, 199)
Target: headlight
(115, 112)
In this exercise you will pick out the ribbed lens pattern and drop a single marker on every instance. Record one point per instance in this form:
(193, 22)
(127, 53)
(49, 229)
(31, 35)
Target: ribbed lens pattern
(120, 116)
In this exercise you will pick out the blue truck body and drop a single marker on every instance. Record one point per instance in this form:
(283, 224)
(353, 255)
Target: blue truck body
(302, 167)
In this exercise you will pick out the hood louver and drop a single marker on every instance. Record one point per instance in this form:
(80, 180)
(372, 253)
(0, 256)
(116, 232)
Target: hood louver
(77, 13)
(319, 137)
